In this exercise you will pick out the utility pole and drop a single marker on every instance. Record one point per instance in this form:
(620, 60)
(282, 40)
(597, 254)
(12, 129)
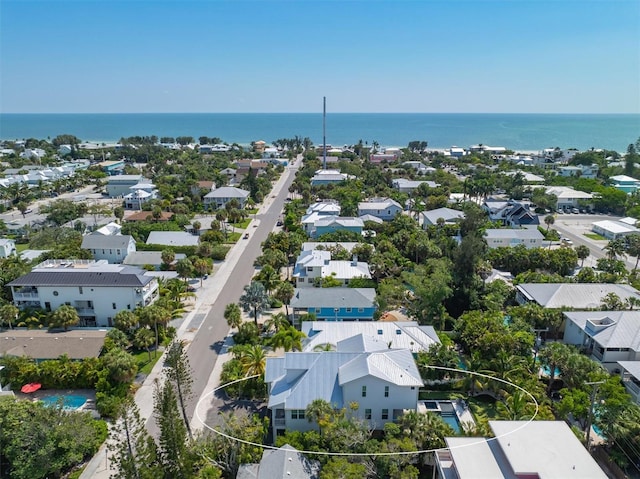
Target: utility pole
(594, 391)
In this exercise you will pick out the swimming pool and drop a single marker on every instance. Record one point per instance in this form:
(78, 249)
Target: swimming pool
(67, 401)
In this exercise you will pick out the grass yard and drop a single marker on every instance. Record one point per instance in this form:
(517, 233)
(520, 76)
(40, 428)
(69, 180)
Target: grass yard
(242, 224)
(21, 247)
(595, 236)
(142, 360)
(483, 406)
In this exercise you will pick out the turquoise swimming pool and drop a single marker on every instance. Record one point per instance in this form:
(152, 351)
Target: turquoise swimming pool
(67, 401)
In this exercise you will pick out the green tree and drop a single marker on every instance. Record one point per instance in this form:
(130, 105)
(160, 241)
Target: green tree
(120, 366)
(284, 292)
(63, 317)
(133, 450)
(342, 468)
(8, 314)
(22, 207)
(320, 412)
(152, 316)
(254, 299)
(233, 315)
(168, 256)
(615, 249)
(202, 267)
(118, 212)
(179, 373)
(289, 339)
(144, 339)
(125, 320)
(253, 360)
(549, 220)
(583, 253)
(184, 268)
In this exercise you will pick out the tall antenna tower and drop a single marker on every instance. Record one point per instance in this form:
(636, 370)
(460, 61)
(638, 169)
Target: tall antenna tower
(324, 132)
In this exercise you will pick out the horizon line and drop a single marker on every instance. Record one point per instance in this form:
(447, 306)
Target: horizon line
(315, 113)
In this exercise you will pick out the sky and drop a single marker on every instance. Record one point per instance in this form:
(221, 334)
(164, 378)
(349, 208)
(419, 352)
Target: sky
(241, 56)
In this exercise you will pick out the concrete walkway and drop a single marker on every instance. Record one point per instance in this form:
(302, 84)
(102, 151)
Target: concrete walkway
(187, 327)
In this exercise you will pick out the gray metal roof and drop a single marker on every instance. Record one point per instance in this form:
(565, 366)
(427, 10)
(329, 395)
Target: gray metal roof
(172, 238)
(346, 221)
(632, 367)
(447, 214)
(99, 241)
(622, 330)
(127, 277)
(228, 192)
(395, 366)
(139, 258)
(525, 233)
(283, 463)
(333, 297)
(574, 295)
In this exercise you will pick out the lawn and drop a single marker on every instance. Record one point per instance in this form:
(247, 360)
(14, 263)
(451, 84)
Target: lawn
(142, 360)
(21, 247)
(242, 224)
(484, 406)
(595, 236)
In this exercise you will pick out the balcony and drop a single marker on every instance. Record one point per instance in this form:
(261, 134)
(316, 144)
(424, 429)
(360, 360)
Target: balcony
(279, 422)
(25, 296)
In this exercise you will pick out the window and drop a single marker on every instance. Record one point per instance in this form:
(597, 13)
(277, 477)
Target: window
(364, 391)
(47, 305)
(297, 414)
(360, 310)
(348, 310)
(398, 331)
(128, 306)
(380, 332)
(55, 293)
(300, 280)
(367, 413)
(385, 414)
(317, 310)
(80, 289)
(113, 305)
(118, 252)
(386, 391)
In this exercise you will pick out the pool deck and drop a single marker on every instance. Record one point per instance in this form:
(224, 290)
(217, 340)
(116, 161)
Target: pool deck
(460, 407)
(90, 394)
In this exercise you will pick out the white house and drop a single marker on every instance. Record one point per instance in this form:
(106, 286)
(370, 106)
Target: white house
(583, 171)
(519, 449)
(96, 289)
(327, 177)
(314, 264)
(384, 208)
(33, 154)
(404, 185)
(499, 238)
(7, 247)
(324, 208)
(383, 382)
(219, 197)
(140, 193)
(630, 372)
(120, 185)
(172, 238)
(112, 248)
(395, 335)
(568, 197)
(572, 295)
(607, 336)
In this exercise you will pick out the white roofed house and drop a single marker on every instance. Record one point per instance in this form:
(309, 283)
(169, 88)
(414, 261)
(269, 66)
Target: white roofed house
(607, 336)
(120, 185)
(313, 265)
(384, 382)
(140, 194)
(578, 296)
(172, 238)
(334, 304)
(96, 289)
(113, 248)
(500, 238)
(7, 247)
(568, 197)
(384, 208)
(219, 197)
(614, 229)
(630, 372)
(403, 185)
(448, 215)
(327, 177)
(329, 224)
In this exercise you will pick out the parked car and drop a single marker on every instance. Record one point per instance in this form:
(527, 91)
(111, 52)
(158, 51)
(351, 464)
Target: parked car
(575, 211)
(566, 241)
(279, 223)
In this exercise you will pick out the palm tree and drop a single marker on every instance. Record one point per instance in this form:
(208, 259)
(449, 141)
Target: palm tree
(232, 315)
(253, 360)
(125, 320)
(276, 322)
(143, 339)
(549, 220)
(284, 292)
(153, 315)
(289, 339)
(254, 299)
(269, 277)
(202, 267)
(615, 248)
(320, 412)
(64, 316)
(8, 314)
(553, 356)
(583, 253)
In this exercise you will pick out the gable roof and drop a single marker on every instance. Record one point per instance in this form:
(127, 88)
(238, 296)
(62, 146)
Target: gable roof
(282, 463)
(507, 233)
(227, 192)
(378, 204)
(395, 366)
(76, 343)
(447, 214)
(611, 329)
(574, 295)
(100, 241)
(333, 297)
(172, 238)
(344, 221)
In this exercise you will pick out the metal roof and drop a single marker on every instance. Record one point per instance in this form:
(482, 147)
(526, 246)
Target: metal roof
(621, 331)
(333, 297)
(283, 463)
(574, 295)
(447, 214)
(128, 276)
(100, 241)
(508, 233)
(172, 238)
(395, 366)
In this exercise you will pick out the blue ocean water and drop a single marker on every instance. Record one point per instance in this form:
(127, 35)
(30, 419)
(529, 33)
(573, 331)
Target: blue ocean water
(441, 130)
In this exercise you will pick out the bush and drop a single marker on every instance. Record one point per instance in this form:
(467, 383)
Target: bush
(219, 252)
(275, 303)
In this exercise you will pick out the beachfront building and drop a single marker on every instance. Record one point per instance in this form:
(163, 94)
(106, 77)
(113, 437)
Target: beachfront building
(96, 289)
(384, 208)
(520, 449)
(509, 237)
(383, 382)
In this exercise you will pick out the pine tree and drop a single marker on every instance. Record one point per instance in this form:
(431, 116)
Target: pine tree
(179, 373)
(173, 452)
(133, 450)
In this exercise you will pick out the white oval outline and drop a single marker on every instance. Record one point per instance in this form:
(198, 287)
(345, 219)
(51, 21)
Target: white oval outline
(482, 440)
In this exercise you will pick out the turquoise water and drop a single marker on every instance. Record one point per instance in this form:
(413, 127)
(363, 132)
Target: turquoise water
(453, 422)
(441, 130)
(68, 401)
(547, 371)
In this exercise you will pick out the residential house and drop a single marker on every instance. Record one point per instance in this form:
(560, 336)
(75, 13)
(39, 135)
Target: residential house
(569, 198)
(217, 148)
(319, 210)
(33, 154)
(334, 304)
(112, 248)
(148, 215)
(311, 245)
(527, 178)
(404, 185)
(625, 183)
(329, 177)
(313, 265)
(420, 167)
(65, 150)
(510, 212)
(630, 372)
(448, 215)
(395, 335)
(219, 197)
(7, 247)
(378, 158)
(578, 296)
(172, 238)
(42, 345)
(519, 450)
(500, 238)
(112, 167)
(456, 152)
(143, 259)
(612, 229)
(583, 171)
(96, 289)
(383, 382)
(120, 185)
(329, 224)
(492, 150)
(282, 463)
(110, 229)
(140, 193)
(384, 208)
(607, 336)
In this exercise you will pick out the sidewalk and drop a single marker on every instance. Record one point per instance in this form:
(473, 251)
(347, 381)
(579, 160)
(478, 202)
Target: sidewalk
(187, 327)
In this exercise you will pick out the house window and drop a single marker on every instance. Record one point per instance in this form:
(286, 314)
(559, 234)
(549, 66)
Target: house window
(386, 391)
(47, 305)
(360, 310)
(380, 332)
(128, 306)
(385, 414)
(364, 391)
(297, 414)
(113, 305)
(300, 280)
(367, 413)
(317, 310)
(348, 310)
(80, 289)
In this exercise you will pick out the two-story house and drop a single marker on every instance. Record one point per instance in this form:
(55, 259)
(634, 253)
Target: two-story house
(96, 289)
(505, 237)
(7, 247)
(219, 197)
(330, 224)
(112, 248)
(329, 177)
(384, 208)
(579, 296)
(625, 183)
(140, 194)
(334, 304)
(313, 265)
(120, 185)
(383, 382)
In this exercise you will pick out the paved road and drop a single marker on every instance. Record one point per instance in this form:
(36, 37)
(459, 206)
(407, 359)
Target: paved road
(208, 339)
